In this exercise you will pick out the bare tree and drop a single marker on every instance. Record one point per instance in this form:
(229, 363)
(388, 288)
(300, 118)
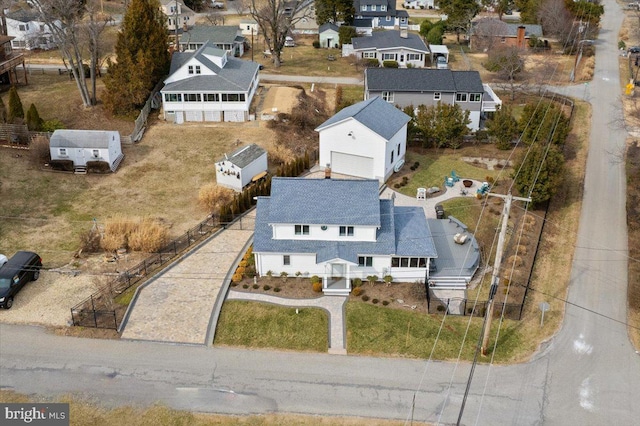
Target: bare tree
(558, 22)
(276, 19)
(486, 33)
(215, 17)
(240, 6)
(94, 28)
(507, 63)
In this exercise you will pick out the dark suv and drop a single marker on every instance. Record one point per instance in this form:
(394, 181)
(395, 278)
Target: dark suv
(23, 267)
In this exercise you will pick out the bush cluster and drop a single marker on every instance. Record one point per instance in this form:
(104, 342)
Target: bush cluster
(145, 235)
(415, 166)
(317, 287)
(357, 291)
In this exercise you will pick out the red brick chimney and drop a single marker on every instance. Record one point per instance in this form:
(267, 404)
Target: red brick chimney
(520, 37)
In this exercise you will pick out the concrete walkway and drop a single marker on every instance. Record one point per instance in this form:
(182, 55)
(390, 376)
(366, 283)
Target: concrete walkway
(178, 304)
(334, 305)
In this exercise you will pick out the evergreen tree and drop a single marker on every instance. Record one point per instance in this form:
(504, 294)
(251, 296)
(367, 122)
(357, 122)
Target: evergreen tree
(34, 122)
(503, 127)
(142, 58)
(544, 122)
(444, 125)
(539, 172)
(3, 112)
(15, 105)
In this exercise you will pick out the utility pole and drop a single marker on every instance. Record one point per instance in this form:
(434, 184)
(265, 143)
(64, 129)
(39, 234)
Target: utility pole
(495, 276)
(176, 16)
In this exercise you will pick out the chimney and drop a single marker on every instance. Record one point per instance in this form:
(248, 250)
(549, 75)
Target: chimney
(327, 171)
(520, 37)
(403, 32)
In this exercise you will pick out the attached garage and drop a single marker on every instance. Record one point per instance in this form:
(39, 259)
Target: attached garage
(193, 115)
(235, 116)
(353, 165)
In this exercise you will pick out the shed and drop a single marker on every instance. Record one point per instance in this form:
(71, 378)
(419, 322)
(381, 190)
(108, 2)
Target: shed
(83, 146)
(237, 170)
(329, 35)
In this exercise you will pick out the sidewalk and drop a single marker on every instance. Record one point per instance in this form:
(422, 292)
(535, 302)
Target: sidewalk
(334, 305)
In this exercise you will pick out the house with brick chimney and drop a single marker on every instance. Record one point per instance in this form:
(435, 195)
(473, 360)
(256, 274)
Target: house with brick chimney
(407, 49)
(490, 33)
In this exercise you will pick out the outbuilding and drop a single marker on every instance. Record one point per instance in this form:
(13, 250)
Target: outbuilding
(329, 35)
(86, 146)
(247, 164)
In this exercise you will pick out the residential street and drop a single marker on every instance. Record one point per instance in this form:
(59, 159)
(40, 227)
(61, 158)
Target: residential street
(586, 375)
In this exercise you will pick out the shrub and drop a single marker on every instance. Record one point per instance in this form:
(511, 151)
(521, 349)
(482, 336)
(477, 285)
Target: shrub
(375, 301)
(3, 112)
(64, 165)
(416, 164)
(242, 264)
(490, 180)
(390, 64)
(405, 179)
(372, 63)
(397, 185)
(269, 275)
(387, 279)
(385, 302)
(211, 197)
(98, 167)
(357, 282)
(250, 272)
(255, 286)
(16, 110)
(316, 44)
(440, 308)
(317, 287)
(365, 298)
(357, 291)
(234, 284)
(277, 289)
(90, 241)
(298, 275)
(236, 278)
(52, 125)
(34, 122)
(245, 286)
(148, 236)
(315, 279)
(372, 279)
(240, 270)
(284, 276)
(266, 287)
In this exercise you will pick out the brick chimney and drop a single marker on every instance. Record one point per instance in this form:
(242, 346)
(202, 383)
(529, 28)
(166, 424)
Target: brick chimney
(520, 37)
(404, 33)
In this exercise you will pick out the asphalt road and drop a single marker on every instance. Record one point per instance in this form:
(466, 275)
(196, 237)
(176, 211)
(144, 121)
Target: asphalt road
(586, 375)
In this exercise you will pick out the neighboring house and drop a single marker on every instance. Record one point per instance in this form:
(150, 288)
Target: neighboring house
(363, 26)
(249, 26)
(367, 140)
(419, 4)
(178, 15)
(407, 49)
(225, 37)
(339, 230)
(208, 85)
(405, 87)
(381, 13)
(306, 21)
(84, 146)
(488, 33)
(28, 31)
(246, 164)
(9, 61)
(328, 35)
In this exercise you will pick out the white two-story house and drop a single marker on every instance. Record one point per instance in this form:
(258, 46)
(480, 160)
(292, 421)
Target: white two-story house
(178, 14)
(209, 85)
(28, 31)
(340, 230)
(379, 14)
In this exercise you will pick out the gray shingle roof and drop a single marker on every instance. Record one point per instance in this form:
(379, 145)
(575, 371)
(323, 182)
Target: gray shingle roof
(324, 201)
(64, 138)
(328, 26)
(363, 22)
(236, 75)
(23, 15)
(376, 114)
(422, 80)
(213, 33)
(502, 29)
(243, 156)
(388, 40)
(403, 231)
(391, 8)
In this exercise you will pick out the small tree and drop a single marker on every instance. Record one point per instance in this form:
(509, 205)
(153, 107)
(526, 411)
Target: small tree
(503, 127)
(15, 105)
(345, 34)
(507, 63)
(372, 279)
(34, 122)
(539, 172)
(443, 125)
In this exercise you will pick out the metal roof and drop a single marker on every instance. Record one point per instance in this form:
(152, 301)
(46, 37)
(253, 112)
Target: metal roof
(376, 114)
(83, 138)
(422, 80)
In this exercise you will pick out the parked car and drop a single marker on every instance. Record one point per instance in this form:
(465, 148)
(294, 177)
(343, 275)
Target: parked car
(217, 5)
(441, 63)
(634, 49)
(3, 259)
(23, 267)
(289, 42)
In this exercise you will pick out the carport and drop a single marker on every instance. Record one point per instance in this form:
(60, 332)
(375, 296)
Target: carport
(438, 50)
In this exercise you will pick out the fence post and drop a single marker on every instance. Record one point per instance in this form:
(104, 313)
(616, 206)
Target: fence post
(160, 256)
(175, 251)
(73, 319)
(93, 308)
(188, 238)
(144, 265)
(115, 320)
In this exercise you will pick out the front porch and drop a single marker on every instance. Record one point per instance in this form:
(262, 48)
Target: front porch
(336, 286)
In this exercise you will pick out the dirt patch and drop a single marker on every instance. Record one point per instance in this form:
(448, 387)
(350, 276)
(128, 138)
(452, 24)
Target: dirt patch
(280, 99)
(407, 296)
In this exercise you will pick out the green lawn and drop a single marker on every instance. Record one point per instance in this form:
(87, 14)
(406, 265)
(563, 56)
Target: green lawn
(375, 330)
(261, 325)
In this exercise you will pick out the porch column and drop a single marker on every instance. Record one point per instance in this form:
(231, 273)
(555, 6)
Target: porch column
(348, 276)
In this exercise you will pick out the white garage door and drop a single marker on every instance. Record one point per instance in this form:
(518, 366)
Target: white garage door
(212, 116)
(193, 115)
(353, 165)
(234, 116)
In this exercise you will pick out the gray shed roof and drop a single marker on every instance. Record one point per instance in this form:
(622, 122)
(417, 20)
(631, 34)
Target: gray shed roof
(245, 155)
(236, 75)
(403, 231)
(389, 39)
(376, 114)
(422, 80)
(324, 201)
(328, 26)
(213, 33)
(83, 138)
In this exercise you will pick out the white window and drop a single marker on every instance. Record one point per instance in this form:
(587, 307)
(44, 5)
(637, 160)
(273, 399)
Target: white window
(190, 68)
(96, 153)
(302, 229)
(192, 97)
(373, 8)
(211, 97)
(346, 231)
(387, 96)
(503, 40)
(369, 55)
(173, 97)
(172, 9)
(233, 97)
(383, 8)
(461, 97)
(388, 56)
(23, 27)
(365, 261)
(197, 69)
(475, 97)
(408, 262)
(414, 56)
(437, 96)
(62, 152)
(363, 8)
(286, 260)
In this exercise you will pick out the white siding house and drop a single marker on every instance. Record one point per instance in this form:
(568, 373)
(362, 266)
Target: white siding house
(237, 170)
(367, 140)
(407, 49)
(83, 146)
(178, 15)
(339, 230)
(28, 31)
(329, 36)
(208, 85)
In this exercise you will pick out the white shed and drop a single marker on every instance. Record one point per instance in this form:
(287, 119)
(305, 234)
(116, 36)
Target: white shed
(83, 146)
(237, 170)
(329, 35)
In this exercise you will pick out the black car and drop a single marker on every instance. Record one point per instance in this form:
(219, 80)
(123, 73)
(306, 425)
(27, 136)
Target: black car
(634, 49)
(23, 267)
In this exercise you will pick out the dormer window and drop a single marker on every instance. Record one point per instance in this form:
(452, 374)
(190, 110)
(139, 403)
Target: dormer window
(363, 8)
(302, 229)
(23, 27)
(346, 231)
(383, 8)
